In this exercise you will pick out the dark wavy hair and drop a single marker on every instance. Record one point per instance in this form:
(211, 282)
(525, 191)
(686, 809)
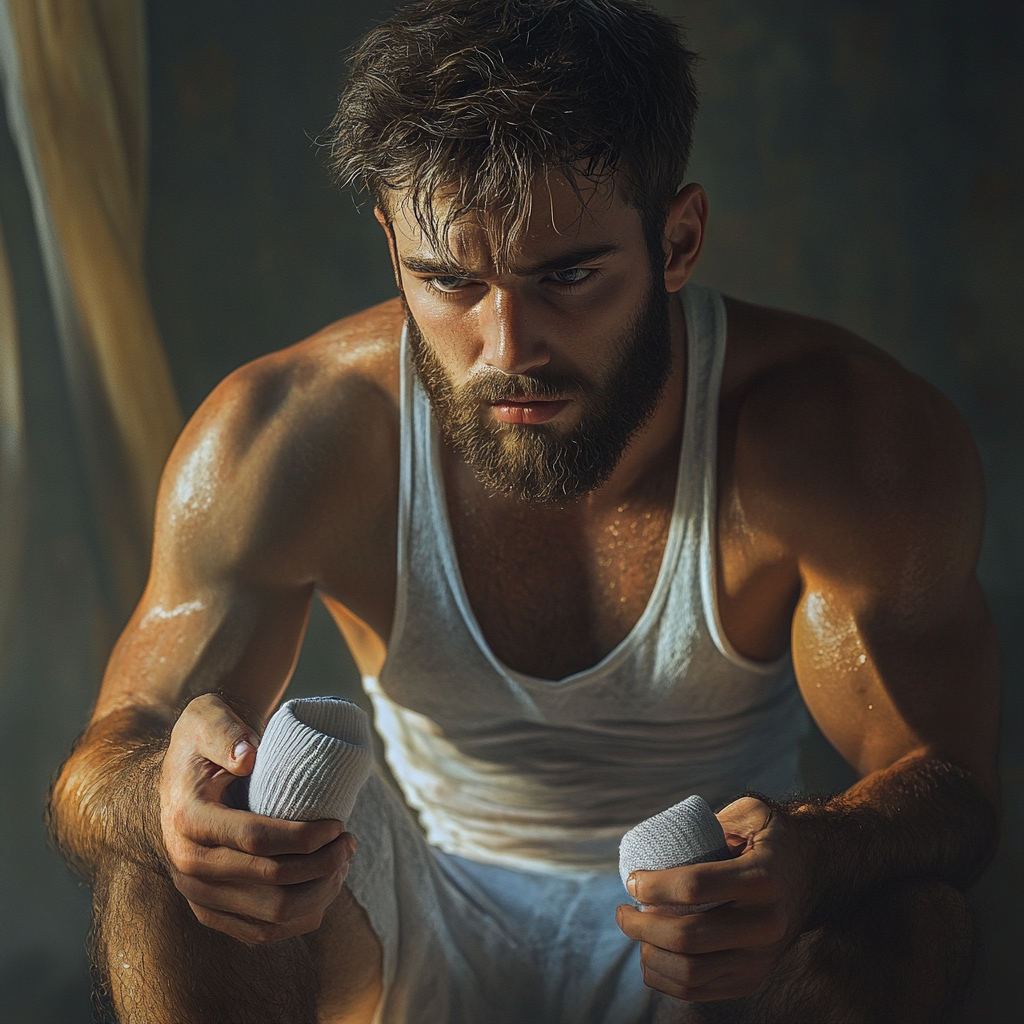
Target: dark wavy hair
(472, 100)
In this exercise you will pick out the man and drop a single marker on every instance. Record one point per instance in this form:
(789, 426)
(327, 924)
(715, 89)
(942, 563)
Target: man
(572, 516)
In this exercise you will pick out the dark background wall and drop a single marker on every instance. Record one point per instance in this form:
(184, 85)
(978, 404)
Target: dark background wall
(864, 164)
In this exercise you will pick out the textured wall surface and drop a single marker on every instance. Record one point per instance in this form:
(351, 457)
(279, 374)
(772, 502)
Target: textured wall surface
(864, 164)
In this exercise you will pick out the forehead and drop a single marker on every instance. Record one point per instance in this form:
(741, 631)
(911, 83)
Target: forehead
(563, 215)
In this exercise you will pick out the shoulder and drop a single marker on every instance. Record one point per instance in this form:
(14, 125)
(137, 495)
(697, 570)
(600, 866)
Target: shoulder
(291, 447)
(842, 454)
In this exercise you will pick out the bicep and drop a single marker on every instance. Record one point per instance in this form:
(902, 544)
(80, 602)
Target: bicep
(224, 607)
(869, 479)
(883, 681)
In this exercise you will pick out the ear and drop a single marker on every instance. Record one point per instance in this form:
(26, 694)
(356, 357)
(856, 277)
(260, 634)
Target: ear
(382, 218)
(684, 235)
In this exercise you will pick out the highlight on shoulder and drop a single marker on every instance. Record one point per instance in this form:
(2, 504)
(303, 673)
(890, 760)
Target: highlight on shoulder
(288, 432)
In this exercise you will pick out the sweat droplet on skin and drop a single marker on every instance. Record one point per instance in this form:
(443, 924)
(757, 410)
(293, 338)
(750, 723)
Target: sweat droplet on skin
(159, 612)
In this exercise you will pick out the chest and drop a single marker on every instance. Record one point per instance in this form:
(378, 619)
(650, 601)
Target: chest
(554, 592)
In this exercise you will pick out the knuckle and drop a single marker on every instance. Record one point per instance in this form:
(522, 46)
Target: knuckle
(278, 909)
(187, 862)
(304, 843)
(186, 886)
(254, 837)
(270, 871)
(178, 818)
(205, 916)
(336, 854)
(310, 838)
(679, 937)
(692, 892)
(204, 703)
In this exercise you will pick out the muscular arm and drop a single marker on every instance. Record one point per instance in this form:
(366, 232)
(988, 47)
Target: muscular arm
(252, 515)
(206, 621)
(892, 642)
(862, 484)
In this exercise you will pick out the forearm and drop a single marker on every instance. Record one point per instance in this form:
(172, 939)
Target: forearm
(921, 818)
(104, 807)
(152, 958)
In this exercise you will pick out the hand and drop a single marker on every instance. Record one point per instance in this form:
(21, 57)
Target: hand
(726, 952)
(257, 879)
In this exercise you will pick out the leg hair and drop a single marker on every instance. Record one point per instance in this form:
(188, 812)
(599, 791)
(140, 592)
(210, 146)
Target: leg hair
(154, 963)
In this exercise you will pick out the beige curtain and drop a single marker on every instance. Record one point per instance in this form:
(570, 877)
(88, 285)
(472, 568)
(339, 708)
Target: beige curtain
(12, 448)
(75, 82)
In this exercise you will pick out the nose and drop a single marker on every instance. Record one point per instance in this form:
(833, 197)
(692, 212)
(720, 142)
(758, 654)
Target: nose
(512, 338)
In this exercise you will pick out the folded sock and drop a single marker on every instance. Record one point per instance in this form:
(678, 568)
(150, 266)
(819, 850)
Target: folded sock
(312, 761)
(687, 833)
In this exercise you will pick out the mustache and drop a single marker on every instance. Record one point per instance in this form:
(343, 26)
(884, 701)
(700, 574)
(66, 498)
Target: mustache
(494, 386)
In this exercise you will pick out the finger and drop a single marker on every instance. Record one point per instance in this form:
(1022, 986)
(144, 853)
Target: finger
(220, 865)
(743, 878)
(732, 926)
(744, 817)
(728, 986)
(663, 983)
(690, 972)
(214, 732)
(255, 932)
(209, 823)
(721, 988)
(272, 904)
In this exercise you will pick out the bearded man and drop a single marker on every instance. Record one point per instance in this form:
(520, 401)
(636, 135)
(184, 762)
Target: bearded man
(579, 521)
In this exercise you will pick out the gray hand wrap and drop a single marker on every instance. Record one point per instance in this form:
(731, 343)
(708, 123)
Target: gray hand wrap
(687, 833)
(312, 761)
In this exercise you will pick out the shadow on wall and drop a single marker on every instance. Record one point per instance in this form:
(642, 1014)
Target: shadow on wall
(863, 163)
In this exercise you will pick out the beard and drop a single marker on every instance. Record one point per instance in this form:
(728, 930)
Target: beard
(537, 462)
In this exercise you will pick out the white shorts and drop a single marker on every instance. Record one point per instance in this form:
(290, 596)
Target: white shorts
(472, 943)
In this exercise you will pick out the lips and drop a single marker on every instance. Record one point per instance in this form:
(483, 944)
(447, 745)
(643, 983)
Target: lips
(529, 411)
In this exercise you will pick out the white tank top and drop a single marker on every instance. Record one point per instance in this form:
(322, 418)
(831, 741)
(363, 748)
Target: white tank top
(548, 775)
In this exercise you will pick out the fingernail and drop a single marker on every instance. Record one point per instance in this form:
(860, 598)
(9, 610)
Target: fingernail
(240, 749)
(631, 885)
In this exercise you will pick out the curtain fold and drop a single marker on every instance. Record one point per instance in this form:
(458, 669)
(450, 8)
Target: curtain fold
(12, 449)
(75, 87)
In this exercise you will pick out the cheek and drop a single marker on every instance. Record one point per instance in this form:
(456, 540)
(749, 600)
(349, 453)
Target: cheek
(450, 335)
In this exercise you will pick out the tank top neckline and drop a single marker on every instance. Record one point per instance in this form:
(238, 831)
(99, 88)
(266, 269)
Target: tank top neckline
(659, 592)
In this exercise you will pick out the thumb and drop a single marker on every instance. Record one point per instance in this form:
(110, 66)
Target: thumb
(220, 735)
(742, 820)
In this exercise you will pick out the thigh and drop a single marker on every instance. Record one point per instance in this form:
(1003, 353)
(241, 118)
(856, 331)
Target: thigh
(439, 949)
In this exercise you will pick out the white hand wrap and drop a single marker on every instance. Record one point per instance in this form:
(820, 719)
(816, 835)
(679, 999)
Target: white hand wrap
(312, 761)
(688, 833)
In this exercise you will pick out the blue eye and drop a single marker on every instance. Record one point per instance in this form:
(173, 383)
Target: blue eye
(448, 284)
(575, 275)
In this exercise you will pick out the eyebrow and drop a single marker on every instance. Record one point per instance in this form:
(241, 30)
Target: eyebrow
(441, 267)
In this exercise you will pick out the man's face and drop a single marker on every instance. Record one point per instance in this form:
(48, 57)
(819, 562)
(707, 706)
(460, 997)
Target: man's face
(540, 372)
